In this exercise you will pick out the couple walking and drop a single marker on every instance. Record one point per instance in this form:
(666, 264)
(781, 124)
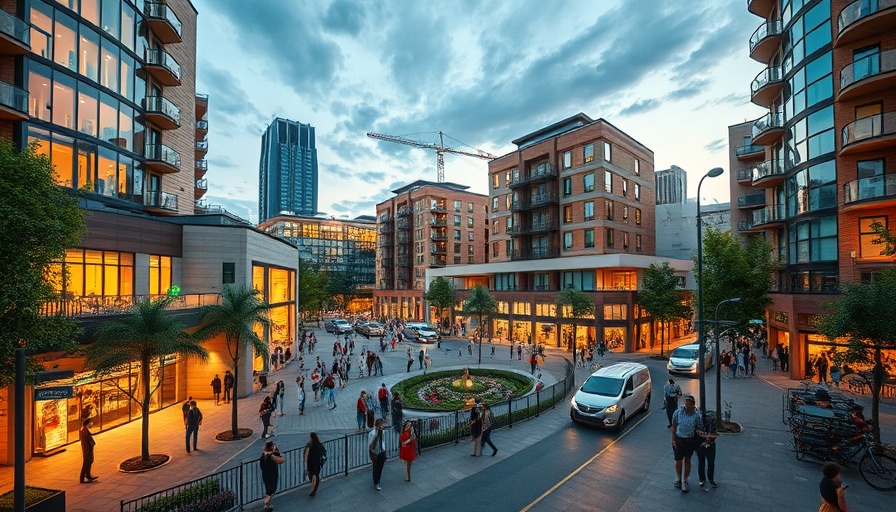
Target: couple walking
(481, 422)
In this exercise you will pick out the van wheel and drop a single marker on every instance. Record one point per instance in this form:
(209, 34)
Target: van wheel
(646, 405)
(621, 422)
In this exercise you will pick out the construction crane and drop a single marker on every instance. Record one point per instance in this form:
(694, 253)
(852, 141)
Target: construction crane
(440, 148)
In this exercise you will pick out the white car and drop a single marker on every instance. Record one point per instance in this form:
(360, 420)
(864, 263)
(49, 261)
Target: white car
(683, 359)
(423, 332)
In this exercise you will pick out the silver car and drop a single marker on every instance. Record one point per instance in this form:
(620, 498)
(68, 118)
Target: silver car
(683, 359)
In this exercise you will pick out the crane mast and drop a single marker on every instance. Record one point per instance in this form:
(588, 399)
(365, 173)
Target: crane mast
(439, 148)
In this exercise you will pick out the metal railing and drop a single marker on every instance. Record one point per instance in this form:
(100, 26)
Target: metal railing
(877, 125)
(861, 9)
(767, 29)
(874, 187)
(156, 57)
(118, 304)
(866, 67)
(13, 97)
(159, 199)
(202, 125)
(751, 200)
(767, 122)
(160, 105)
(764, 78)
(159, 10)
(766, 169)
(162, 153)
(349, 452)
(201, 165)
(202, 184)
(748, 149)
(202, 145)
(769, 214)
(15, 28)
(745, 174)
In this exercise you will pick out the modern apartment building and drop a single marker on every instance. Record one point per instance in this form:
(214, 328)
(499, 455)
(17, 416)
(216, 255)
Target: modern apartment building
(572, 207)
(336, 246)
(287, 173)
(671, 185)
(425, 225)
(817, 170)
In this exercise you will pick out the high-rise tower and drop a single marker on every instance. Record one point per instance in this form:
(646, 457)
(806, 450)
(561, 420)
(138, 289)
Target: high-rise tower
(287, 172)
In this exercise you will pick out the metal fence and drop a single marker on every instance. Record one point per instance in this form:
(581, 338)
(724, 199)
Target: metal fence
(243, 482)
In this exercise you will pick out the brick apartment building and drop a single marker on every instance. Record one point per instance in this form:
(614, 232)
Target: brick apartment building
(425, 225)
(573, 207)
(814, 172)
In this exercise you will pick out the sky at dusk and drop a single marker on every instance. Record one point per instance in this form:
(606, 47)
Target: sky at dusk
(673, 75)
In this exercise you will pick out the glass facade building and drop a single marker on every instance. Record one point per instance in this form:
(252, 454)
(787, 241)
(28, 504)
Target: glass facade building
(287, 173)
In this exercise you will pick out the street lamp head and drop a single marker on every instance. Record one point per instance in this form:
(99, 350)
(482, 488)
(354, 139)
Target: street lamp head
(715, 171)
(737, 299)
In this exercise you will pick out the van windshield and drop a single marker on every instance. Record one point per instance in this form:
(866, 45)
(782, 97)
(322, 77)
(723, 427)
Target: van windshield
(684, 353)
(602, 386)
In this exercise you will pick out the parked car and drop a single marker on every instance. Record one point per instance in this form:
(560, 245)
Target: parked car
(612, 394)
(329, 325)
(337, 326)
(371, 329)
(683, 359)
(422, 333)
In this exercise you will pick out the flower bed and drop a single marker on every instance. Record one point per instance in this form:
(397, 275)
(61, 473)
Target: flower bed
(450, 391)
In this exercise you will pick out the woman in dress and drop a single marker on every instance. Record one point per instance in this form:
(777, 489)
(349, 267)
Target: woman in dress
(313, 450)
(407, 450)
(270, 460)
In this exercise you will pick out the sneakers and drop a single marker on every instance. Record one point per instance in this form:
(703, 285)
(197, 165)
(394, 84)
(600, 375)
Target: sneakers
(713, 484)
(684, 486)
(379, 487)
(677, 484)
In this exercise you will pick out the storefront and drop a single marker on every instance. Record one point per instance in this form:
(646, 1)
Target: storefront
(57, 422)
(818, 345)
(277, 288)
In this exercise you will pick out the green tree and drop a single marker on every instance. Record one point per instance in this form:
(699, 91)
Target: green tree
(235, 317)
(483, 305)
(341, 289)
(312, 289)
(885, 238)
(145, 335)
(863, 315)
(734, 268)
(441, 294)
(660, 298)
(578, 306)
(40, 220)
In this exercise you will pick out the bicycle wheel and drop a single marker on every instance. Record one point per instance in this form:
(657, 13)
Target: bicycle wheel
(879, 471)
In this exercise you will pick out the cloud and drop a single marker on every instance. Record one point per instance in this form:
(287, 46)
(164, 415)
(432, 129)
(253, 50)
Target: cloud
(639, 107)
(344, 17)
(716, 145)
(689, 90)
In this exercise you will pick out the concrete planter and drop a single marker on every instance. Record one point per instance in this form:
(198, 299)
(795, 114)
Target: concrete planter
(37, 499)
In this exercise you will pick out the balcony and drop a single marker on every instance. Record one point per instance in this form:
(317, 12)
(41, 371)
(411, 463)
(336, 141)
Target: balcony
(872, 133)
(534, 202)
(201, 188)
(403, 224)
(767, 174)
(13, 103)
(765, 41)
(385, 241)
(386, 228)
(744, 225)
(749, 152)
(537, 174)
(761, 8)
(439, 249)
(863, 19)
(162, 67)
(15, 35)
(768, 129)
(201, 168)
(161, 112)
(161, 158)
(438, 222)
(202, 128)
(873, 192)
(201, 148)
(769, 216)
(163, 22)
(751, 201)
(119, 304)
(160, 201)
(745, 174)
(437, 208)
(201, 105)
(404, 211)
(534, 227)
(766, 87)
(436, 236)
(874, 73)
(438, 261)
(534, 253)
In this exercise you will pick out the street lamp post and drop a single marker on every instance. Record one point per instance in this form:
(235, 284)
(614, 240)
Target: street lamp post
(716, 356)
(715, 171)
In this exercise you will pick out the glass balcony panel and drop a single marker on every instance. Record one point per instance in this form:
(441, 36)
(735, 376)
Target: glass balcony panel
(875, 187)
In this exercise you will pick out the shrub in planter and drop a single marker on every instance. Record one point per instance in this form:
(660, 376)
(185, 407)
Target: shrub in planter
(37, 499)
(205, 496)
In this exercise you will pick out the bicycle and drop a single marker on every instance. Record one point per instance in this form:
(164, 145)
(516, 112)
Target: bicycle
(877, 469)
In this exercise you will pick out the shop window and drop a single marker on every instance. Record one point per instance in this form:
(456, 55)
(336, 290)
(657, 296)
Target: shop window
(278, 282)
(546, 310)
(615, 311)
(867, 237)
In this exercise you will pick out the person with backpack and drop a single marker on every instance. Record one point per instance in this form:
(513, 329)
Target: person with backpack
(383, 395)
(270, 472)
(194, 419)
(315, 458)
(361, 408)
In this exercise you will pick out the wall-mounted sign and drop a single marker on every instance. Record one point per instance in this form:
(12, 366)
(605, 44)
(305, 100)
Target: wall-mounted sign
(54, 393)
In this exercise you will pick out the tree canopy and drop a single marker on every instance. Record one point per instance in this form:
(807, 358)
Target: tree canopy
(312, 288)
(863, 317)
(441, 294)
(40, 220)
(580, 306)
(660, 298)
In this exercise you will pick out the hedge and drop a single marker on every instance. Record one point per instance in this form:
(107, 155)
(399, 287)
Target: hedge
(203, 497)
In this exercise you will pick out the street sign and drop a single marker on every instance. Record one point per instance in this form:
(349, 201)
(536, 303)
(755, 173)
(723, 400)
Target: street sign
(756, 321)
(54, 393)
(50, 375)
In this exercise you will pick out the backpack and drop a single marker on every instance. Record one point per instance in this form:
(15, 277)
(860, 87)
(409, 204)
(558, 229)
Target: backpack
(383, 394)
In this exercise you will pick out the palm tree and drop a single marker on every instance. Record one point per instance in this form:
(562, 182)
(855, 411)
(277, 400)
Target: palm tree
(240, 310)
(581, 306)
(148, 333)
(481, 304)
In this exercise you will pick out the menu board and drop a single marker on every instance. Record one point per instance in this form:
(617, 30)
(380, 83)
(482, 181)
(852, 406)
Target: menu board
(52, 424)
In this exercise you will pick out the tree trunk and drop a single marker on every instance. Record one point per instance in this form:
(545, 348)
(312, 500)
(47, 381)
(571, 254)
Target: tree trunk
(877, 380)
(480, 339)
(144, 441)
(662, 337)
(234, 424)
(575, 341)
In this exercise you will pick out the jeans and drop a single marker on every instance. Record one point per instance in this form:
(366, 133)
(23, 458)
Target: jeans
(487, 440)
(707, 456)
(195, 432)
(361, 419)
(378, 462)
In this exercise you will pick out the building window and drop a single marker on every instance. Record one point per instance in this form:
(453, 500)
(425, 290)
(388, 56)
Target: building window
(637, 167)
(567, 240)
(471, 260)
(611, 234)
(637, 216)
(470, 249)
(567, 159)
(470, 235)
(522, 308)
(457, 234)
(637, 192)
(541, 281)
(456, 261)
(609, 210)
(615, 311)
(625, 213)
(508, 223)
(457, 248)
(608, 182)
(637, 243)
(494, 227)
(867, 236)
(508, 246)
(495, 204)
(159, 274)
(625, 240)
(588, 181)
(813, 240)
(469, 222)
(589, 210)
(607, 149)
(494, 249)
(228, 273)
(624, 187)
(589, 238)
(567, 214)
(93, 274)
(582, 280)
(546, 309)
(589, 153)
(457, 205)
(567, 187)
(469, 207)
(457, 220)
(496, 181)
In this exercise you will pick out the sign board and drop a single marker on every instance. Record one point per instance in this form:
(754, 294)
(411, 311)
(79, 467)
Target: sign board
(54, 393)
(756, 321)
(51, 375)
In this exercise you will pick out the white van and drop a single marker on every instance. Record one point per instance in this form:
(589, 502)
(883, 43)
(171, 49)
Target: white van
(612, 394)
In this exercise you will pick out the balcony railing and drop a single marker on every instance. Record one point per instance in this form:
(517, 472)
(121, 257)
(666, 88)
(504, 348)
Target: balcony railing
(202, 126)
(162, 153)
(534, 253)
(769, 215)
(538, 172)
(404, 211)
(867, 67)
(438, 262)
(438, 222)
(744, 225)
(202, 184)
(403, 223)
(119, 304)
(161, 58)
(751, 200)
(767, 169)
(536, 201)
(761, 89)
(860, 10)
(386, 228)
(439, 249)
(171, 29)
(161, 200)
(871, 127)
(745, 174)
(162, 106)
(766, 124)
(201, 165)
(748, 149)
(202, 145)
(875, 187)
(437, 208)
(764, 34)
(438, 237)
(14, 98)
(15, 28)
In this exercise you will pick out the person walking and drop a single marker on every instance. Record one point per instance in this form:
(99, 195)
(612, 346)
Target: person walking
(686, 422)
(470, 348)
(361, 408)
(397, 412)
(671, 392)
(833, 497)
(410, 361)
(186, 408)
(216, 389)
(821, 366)
(300, 385)
(270, 472)
(314, 452)
(752, 363)
(533, 362)
(330, 390)
(407, 450)
(476, 428)
(87, 444)
(264, 412)
(784, 356)
(774, 356)
(194, 419)
(420, 357)
(706, 452)
(383, 395)
(488, 421)
(280, 390)
(228, 385)
(519, 351)
(376, 444)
